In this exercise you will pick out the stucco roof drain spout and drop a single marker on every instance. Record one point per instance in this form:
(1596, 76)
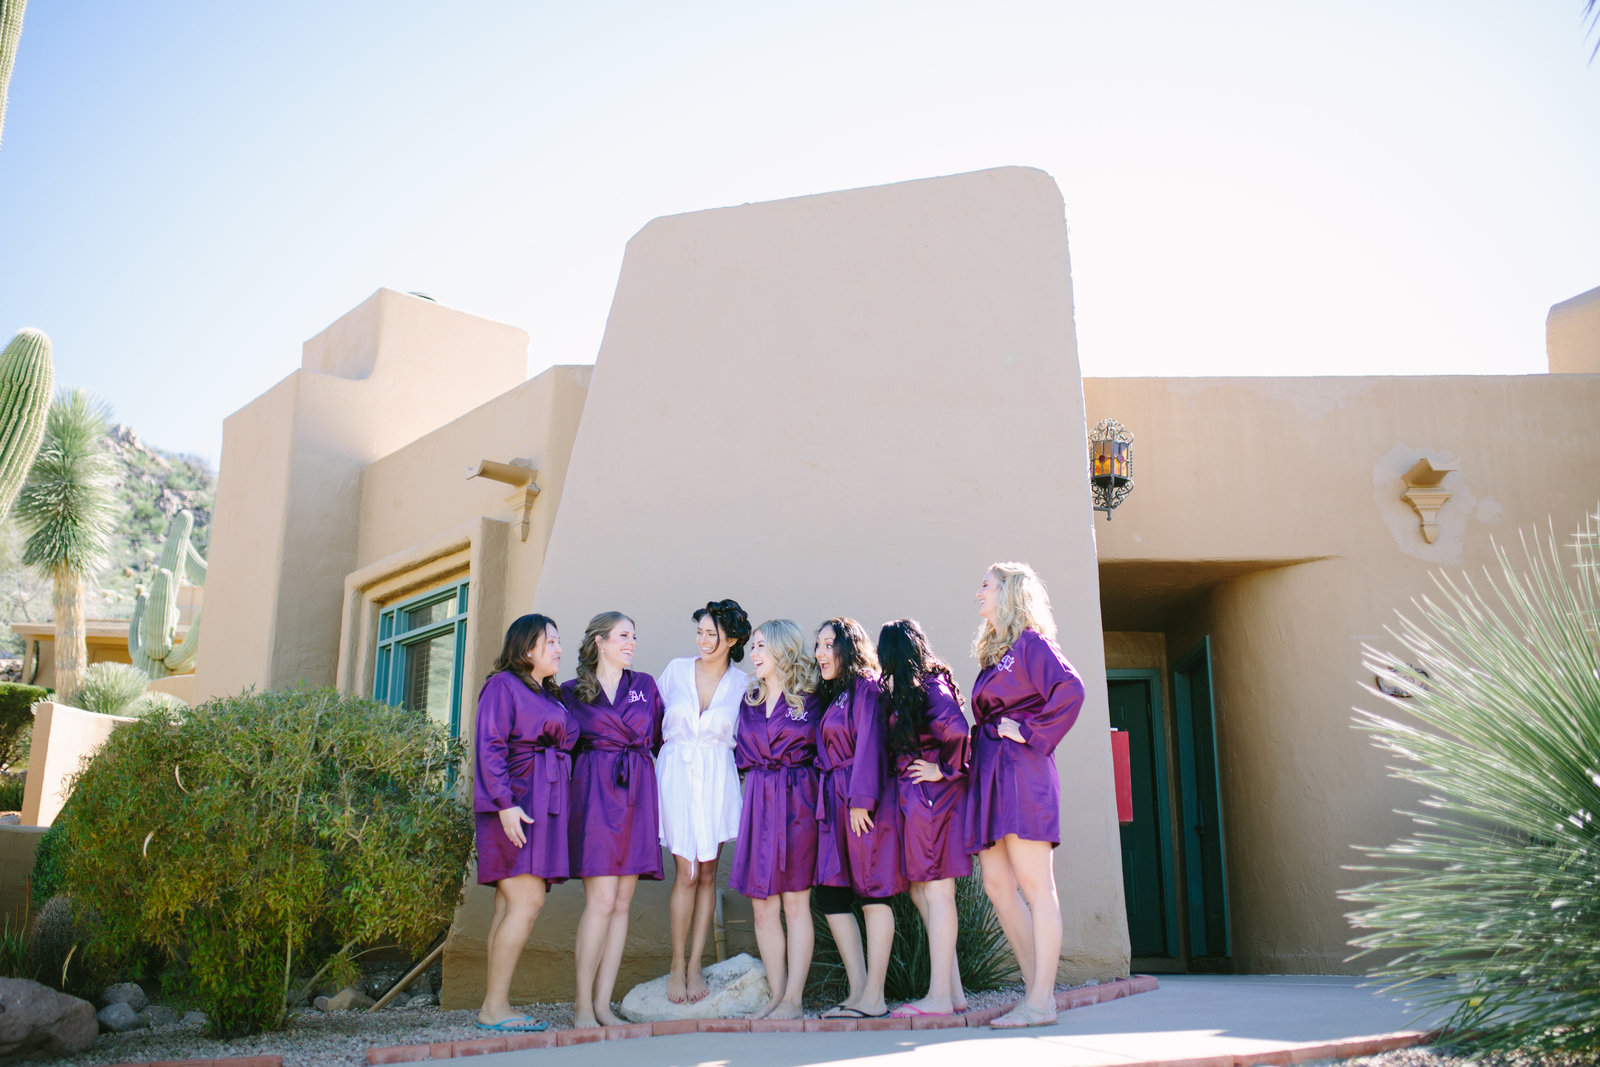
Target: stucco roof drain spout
(1425, 493)
(519, 475)
(1111, 464)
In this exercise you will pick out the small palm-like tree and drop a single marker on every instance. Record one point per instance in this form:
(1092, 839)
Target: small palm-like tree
(1491, 907)
(69, 508)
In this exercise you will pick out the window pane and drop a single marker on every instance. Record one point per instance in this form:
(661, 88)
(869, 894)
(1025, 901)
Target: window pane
(428, 614)
(380, 676)
(386, 626)
(427, 672)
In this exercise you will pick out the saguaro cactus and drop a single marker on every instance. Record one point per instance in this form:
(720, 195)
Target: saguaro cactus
(27, 380)
(10, 33)
(152, 632)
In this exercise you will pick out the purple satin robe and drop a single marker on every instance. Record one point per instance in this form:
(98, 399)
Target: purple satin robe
(1015, 788)
(615, 815)
(523, 745)
(853, 757)
(777, 849)
(932, 837)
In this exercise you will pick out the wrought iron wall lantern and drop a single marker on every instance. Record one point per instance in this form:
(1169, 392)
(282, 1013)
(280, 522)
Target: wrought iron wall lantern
(1110, 464)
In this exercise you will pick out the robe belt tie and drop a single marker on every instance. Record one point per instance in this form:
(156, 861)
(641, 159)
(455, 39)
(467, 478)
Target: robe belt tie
(553, 782)
(774, 797)
(624, 779)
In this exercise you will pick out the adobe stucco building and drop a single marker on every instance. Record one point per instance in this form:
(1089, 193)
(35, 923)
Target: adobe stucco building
(852, 403)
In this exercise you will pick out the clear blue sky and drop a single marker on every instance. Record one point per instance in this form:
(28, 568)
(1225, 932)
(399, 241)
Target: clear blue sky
(190, 190)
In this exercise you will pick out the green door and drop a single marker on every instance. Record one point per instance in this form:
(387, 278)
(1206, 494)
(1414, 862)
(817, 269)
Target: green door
(1146, 844)
(1205, 871)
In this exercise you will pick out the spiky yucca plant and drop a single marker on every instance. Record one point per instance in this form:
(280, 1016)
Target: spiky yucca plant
(1491, 907)
(68, 508)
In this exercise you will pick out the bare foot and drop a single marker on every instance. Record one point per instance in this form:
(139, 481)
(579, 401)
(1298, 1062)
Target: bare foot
(584, 1021)
(959, 1005)
(675, 989)
(785, 1010)
(929, 1006)
(767, 1010)
(607, 1017)
(697, 988)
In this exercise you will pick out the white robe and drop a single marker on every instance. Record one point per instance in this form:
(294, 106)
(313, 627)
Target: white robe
(695, 772)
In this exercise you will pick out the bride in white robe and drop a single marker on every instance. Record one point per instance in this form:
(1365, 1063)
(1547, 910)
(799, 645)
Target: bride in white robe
(698, 782)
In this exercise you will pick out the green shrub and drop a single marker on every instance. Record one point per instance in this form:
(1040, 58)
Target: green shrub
(260, 841)
(45, 882)
(16, 718)
(55, 953)
(1489, 907)
(12, 787)
(154, 701)
(110, 688)
(981, 948)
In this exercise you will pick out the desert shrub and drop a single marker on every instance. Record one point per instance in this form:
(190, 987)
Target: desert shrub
(14, 949)
(1489, 907)
(12, 788)
(110, 688)
(261, 841)
(16, 718)
(981, 948)
(45, 882)
(151, 702)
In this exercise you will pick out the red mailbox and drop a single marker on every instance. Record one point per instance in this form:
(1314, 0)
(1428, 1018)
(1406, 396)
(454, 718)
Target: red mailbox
(1122, 772)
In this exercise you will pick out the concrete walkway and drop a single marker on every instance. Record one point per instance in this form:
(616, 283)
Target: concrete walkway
(1209, 1021)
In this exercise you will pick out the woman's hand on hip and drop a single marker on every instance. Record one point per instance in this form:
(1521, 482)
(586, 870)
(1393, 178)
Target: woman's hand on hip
(922, 770)
(511, 821)
(1009, 727)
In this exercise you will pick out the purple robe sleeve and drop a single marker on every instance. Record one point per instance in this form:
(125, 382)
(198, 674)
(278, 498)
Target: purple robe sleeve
(866, 767)
(492, 780)
(1060, 688)
(949, 729)
(658, 711)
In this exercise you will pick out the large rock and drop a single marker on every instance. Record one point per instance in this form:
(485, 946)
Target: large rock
(129, 993)
(347, 999)
(119, 1017)
(35, 1018)
(738, 987)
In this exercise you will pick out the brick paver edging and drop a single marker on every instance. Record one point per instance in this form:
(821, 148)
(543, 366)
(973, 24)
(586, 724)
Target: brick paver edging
(444, 1050)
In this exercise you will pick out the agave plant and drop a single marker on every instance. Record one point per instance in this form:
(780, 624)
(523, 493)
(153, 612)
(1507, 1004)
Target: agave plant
(1490, 908)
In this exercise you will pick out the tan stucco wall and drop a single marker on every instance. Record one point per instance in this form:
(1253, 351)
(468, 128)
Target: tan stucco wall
(851, 403)
(1237, 476)
(1572, 335)
(63, 738)
(285, 529)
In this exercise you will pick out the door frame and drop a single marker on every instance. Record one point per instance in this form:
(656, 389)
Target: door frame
(1184, 714)
(1158, 741)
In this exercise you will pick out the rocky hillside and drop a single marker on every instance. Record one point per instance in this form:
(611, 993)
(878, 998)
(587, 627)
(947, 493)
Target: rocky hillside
(155, 485)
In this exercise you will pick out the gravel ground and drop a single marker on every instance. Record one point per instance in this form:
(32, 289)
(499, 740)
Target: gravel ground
(1427, 1057)
(341, 1038)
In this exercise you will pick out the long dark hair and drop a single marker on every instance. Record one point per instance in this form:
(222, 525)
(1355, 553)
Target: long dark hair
(908, 663)
(521, 637)
(855, 655)
(731, 620)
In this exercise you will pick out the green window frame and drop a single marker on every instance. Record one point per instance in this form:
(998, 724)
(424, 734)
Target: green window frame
(422, 648)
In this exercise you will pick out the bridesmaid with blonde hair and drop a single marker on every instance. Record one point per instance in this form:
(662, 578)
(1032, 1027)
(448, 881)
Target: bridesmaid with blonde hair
(775, 860)
(1026, 698)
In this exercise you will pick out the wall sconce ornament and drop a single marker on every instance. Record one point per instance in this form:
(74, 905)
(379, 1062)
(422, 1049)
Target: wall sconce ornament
(519, 475)
(1110, 464)
(1425, 493)
(1404, 683)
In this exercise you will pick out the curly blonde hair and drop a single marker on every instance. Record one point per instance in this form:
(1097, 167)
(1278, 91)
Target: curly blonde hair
(589, 654)
(786, 643)
(1022, 604)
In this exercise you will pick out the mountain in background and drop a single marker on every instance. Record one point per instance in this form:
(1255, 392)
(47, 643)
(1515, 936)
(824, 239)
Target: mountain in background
(155, 485)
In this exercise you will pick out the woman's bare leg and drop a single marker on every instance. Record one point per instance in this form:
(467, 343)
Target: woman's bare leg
(517, 903)
(705, 911)
(599, 901)
(847, 938)
(611, 959)
(797, 910)
(1000, 883)
(880, 942)
(936, 901)
(770, 942)
(1036, 875)
(680, 909)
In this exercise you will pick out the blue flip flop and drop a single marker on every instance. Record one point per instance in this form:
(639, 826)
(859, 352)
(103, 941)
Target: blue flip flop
(522, 1024)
